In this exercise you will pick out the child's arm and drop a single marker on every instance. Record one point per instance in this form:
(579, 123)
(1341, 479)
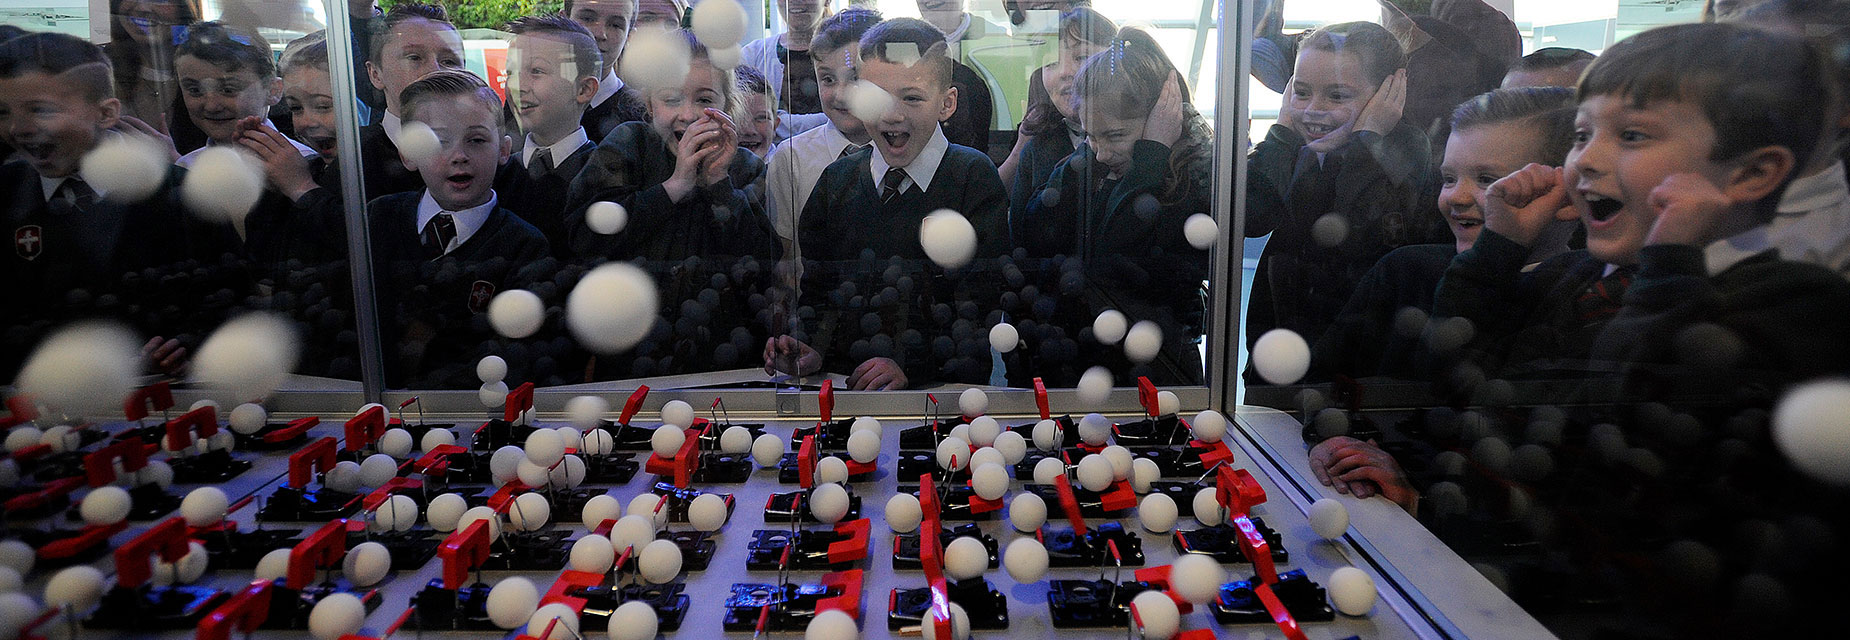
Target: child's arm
(283, 164)
(1483, 284)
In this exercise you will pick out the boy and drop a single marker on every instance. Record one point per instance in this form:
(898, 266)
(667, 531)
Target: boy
(413, 39)
(875, 201)
(455, 228)
(969, 126)
(757, 121)
(799, 161)
(554, 63)
(1548, 67)
(609, 22)
(661, 14)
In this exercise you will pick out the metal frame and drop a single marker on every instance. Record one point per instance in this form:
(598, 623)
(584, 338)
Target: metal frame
(353, 199)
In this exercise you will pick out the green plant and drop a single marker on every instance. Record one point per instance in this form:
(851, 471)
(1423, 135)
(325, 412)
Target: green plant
(489, 14)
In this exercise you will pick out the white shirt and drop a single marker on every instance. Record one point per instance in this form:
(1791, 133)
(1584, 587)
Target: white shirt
(561, 150)
(1812, 225)
(50, 185)
(608, 86)
(468, 221)
(392, 124)
(922, 168)
(795, 167)
(193, 156)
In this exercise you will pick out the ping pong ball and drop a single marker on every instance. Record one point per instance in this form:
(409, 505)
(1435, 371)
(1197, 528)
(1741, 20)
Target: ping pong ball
(948, 238)
(336, 615)
(1201, 231)
(667, 440)
(1167, 403)
(587, 412)
(989, 481)
(1144, 471)
(707, 512)
(960, 624)
(397, 513)
(544, 447)
(1208, 509)
(204, 507)
(984, 430)
(1156, 614)
(613, 307)
(986, 455)
(1012, 446)
(1094, 386)
(491, 369)
(903, 513)
(831, 469)
(444, 510)
(250, 356)
(863, 446)
(592, 553)
(1809, 429)
(1004, 337)
(1158, 512)
(634, 620)
(436, 438)
(1196, 577)
(248, 418)
(1026, 560)
(22, 437)
(105, 506)
(377, 470)
(75, 589)
(1329, 518)
(868, 102)
(511, 601)
(515, 314)
(565, 629)
(965, 558)
(600, 508)
(1120, 459)
(1046, 435)
(606, 218)
(484, 514)
(1109, 326)
(1027, 512)
(1352, 591)
(660, 561)
(1281, 356)
(767, 450)
(417, 142)
(832, 624)
(631, 531)
(396, 443)
(953, 454)
(529, 512)
(366, 564)
(1095, 473)
(1094, 429)
(737, 440)
(1209, 426)
(719, 24)
(18, 555)
(644, 504)
(828, 503)
(678, 413)
(972, 402)
(1048, 470)
(272, 565)
(1143, 342)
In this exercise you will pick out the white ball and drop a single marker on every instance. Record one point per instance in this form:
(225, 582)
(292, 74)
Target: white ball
(597, 442)
(1026, 560)
(667, 441)
(1012, 446)
(1095, 473)
(863, 446)
(491, 369)
(767, 450)
(868, 102)
(833, 624)
(1157, 614)
(948, 238)
(606, 218)
(644, 504)
(160, 473)
(565, 629)
(953, 453)
(222, 185)
(965, 558)
(483, 514)
(990, 481)
(532, 475)
(1329, 518)
(960, 432)
(544, 447)
(504, 463)
(204, 507)
(1811, 429)
(105, 506)
(1352, 591)
(10, 580)
(1004, 337)
(1120, 459)
(737, 440)
(600, 508)
(366, 564)
(493, 394)
(634, 620)
(436, 438)
(569, 474)
(655, 59)
(1109, 326)
(273, 565)
(396, 443)
(1094, 386)
(75, 589)
(707, 512)
(1208, 510)
(515, 313)
(960, 624)
(511, 601)
(1209, 426)
(377, 469)
(587, 412)
(1201, 230)
(1027, 512)
(678, 413)
(1047, 435)
(719, 24)
(125, 168)
(1158, 512)
(344, 477)
(61, 439)
(831, 469)
(1144, 471)
(613, 307)
(726, 57)
(1281, 356)
(444, 510)
(335, 615)
(18, 555)
(84, 369)
(16, 609)
(1167, 403)
(972, 402)
(1143, 342)
(1048, 470)
(248, 418)
(249, 356)
(659, 562)
(828, 503)
(903, 513)
(1094, 429)
(1197, 578)
(633, 530)
(529, 512)
(23, 437)
(984, 430)
(417, 142)
(398, 513)
(592, 553)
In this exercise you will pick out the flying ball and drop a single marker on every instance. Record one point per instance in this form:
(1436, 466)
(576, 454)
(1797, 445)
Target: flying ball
(606, 218)
(125, 168)
(223, 184)
(1329, 518)
(1201, 231)
(516, 314)
(1352, 591)
(1027, 512)
(1143, 342)
(1197, 578)
(1281, 356)
(1004, 337)
(948, 238)
(1109, 326)
(1094, 386)
(614, 306)
(491, 369)
(417, 142)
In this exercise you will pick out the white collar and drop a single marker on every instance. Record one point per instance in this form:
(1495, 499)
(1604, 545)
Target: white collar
(187, 160)
(561, 150)
(1810, 226)
(392, 124)
(1809, 193)
(607, 87)
(922, 168)
(468, 221)
(50, 185)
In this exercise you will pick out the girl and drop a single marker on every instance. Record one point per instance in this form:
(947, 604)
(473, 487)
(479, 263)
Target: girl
(1337, 182)
(784, 58)
(141, 43)
(1118, 203)
(1050, 131)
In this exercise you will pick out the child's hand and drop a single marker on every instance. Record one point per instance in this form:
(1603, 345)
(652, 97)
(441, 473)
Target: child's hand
(1164, 126)
(877, 374)
(282, 163)
(1287, 114)
(1689, 210)
(1385, 108)
(691, 152)
(164, 355)
(1522, 204)
(134, 125)
(1362, 469)
(789, 355)
(714, 169)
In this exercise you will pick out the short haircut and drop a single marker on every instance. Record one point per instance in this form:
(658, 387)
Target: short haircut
(906, 40)
(228, 47)
(585, 55)
(1086, 25)
(399, 14)
(307, 51)
(57, 54)
(445, 83)
(1373, 45)
(751, 80)
(634, 6)
(1756, 87)
(1548, 58)
(1548, 111)
(842, 29)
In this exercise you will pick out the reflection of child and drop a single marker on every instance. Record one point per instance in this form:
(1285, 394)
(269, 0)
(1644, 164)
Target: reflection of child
(758, 130)
(785, 60)
(1050, 131)
(800, 160)
(554, 77)
(413, 39)
(1337, 182)
(609, 22)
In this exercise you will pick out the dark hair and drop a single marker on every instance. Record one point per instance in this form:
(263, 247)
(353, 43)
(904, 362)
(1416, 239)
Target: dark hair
(585, 55)
(307, 51)
(444, 83)
(1548, 111)
(1018, 14)
(842, 29)
(1125, 81)
(126, 55)
(228, 47)
(1547, 58)
(9, 32)
(1081, 24)
(751, 80)
(1756, 87)
(400, 13)
(894, 41)
(1376, 47)
(56, 54)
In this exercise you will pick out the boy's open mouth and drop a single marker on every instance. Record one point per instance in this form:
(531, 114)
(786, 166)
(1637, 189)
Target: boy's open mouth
(896, 140)
(1316, 130)
(40, 151)
(461, 180)
(1601, 208)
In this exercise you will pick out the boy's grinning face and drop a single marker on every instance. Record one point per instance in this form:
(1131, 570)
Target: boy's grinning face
(920, 101)
(311, 106)
(462, 173)
(217, 99)
(543, 86)
(51, 122)
(1475, 158)
(1621, 152)
(1328, 91)
(759, 127)
(672, 110)
(609, 23)
(835, 72)
(413, 49)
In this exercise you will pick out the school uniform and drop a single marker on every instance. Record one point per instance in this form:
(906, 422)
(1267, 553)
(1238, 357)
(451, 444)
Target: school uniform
(534, 184)
(383, 171)
(1522, 318)
(976, 109)
(794, 167)
(613, 105)
(628, 168)
(1038, 159)
(1365, 339)
(792, 74)
(271, 233)
(1811, 225)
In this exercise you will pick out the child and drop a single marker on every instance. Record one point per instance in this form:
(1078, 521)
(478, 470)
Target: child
(1548, 67)
(784, 59)
(412, 40)
(1339, 148)
(226, 76)
(554, 77)
(1051, 132)
(873, 203)
(666, 15)
(142, 35)
(799, 161)
(609, 22)
(755, 112)
(309, 93)
(1119, 202)
(969, 124)
(442, 253)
